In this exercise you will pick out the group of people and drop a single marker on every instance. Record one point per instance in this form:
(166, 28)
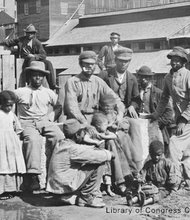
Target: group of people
(100, 142)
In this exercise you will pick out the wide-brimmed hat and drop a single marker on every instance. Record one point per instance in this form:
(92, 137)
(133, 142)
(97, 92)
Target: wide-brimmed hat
(71, 126)
(108, 99)
(30, 29)
(145, 71)
(36, 66)
(88, 56)
(123, 53)
(180, 52)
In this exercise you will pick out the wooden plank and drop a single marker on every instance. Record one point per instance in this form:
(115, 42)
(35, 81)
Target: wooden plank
(8, 73)
(19, 63)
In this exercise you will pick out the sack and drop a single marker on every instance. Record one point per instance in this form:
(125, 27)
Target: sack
(150, 189)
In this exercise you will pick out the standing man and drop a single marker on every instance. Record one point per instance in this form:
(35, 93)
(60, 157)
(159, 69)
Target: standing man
(31, 49)
(150, 96)
(107, 53)
(84, 91)
(122, 82)
(33, 103)
(177, 86)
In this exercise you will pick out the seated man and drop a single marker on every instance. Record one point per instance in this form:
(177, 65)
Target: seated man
(76, 170)
(33, 103)
(31, 49)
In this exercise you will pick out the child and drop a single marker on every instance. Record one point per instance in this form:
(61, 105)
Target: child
(100, 122)
(129, 157)
(160, 176)
(12, 164)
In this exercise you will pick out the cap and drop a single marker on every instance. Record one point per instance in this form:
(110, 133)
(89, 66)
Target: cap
(30, 29)
(107, 100)
(123, 53)
(114, 33)
(88, 56)
(180, 52)
(145, 71)
(36, 66)
(71, 126)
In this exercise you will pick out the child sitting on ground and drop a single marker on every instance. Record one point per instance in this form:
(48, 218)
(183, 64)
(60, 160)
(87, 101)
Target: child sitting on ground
(159, 177)
(12, 164)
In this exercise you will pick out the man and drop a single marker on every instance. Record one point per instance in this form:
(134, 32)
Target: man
(177, 86)
(84, 91)
(150, 96)
(123, 83)
(76, 170)
(107, 53)
(33, 103)
(30, 49)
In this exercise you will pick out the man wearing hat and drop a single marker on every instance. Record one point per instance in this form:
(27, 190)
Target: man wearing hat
(150, 96)
(123, 83)
(33, 102)
(76, 170)
(84, 91)
(30, 49)
(107, 53)
(177, 86)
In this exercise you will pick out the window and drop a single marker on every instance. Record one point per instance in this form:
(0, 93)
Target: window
(142, 46)
(128, 45)
(38, 6)
(26, 9)
(64, 8)
(156, 45)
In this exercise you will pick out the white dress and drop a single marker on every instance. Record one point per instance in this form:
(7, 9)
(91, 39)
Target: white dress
(12, 163)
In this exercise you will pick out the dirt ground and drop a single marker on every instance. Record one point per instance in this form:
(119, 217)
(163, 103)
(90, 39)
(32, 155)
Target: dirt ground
(47, 207)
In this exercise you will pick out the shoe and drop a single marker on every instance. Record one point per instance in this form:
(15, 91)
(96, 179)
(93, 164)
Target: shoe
(68, 199)
(90, 201)
(122, 189)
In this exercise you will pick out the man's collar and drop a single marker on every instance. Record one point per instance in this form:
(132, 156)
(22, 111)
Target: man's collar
(39, 88)
(84, 78)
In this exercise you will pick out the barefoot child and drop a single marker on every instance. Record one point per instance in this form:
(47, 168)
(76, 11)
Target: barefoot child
(101, 123)
(12, 164)
(159, 175)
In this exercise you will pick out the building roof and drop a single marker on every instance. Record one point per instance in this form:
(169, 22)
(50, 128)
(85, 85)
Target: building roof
(157, 61)
(5, 19)
(151, 29)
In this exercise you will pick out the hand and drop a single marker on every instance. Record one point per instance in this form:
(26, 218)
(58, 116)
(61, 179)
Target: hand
(132, 112)
(30, 55)
(92, 131)
(151, 117)
(179, 129)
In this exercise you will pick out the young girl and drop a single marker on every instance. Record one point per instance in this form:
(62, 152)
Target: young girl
(12, 164)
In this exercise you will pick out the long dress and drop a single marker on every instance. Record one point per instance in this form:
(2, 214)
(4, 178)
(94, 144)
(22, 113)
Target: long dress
(12, 164)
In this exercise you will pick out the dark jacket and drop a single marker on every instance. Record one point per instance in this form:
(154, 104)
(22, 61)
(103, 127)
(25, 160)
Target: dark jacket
(127, 90)
(23, 49)
(109, 57)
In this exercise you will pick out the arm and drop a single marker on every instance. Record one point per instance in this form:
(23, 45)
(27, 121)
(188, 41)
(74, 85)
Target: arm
(39, 52)
(87, 154)
(71, 104)
(101, 55)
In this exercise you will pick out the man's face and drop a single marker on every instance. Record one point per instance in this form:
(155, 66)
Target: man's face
(122, 65)
(144, 80)
(176, 63)
(36, 79)
(88, 68)
(30, 35)
(114, 39)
